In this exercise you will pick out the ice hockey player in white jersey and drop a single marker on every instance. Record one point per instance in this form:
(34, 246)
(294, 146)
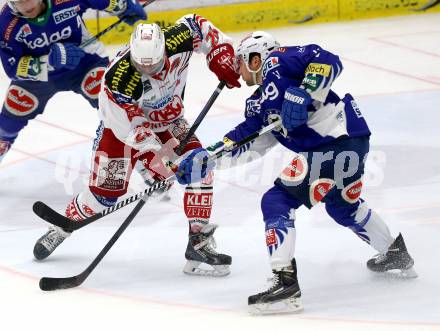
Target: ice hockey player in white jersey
(142, 113)
(331, 139)
(41, 54)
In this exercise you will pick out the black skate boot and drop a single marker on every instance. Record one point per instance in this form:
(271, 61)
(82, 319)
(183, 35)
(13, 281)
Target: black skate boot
(200, 249)
(284, 296)
(49, 242)
(396, 260)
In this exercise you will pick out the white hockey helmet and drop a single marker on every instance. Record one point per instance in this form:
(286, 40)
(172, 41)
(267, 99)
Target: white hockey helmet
(147, 48)
(12, 5)
(257, 42)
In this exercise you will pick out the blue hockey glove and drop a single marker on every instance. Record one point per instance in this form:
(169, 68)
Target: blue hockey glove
(194, 167)
(133, 13)
(65, 55)
(294, 108)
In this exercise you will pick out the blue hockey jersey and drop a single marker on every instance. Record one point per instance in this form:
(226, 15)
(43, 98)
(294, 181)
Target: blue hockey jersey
(25, 43)
(329, 117)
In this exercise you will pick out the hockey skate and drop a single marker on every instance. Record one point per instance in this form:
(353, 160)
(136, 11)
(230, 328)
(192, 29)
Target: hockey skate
(396, 260)
(201, 250)
(284, 296)
(49, 242)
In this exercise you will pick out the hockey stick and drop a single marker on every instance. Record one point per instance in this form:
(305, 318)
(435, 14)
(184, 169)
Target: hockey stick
(51, 284)
(49, 215)
(110, 27)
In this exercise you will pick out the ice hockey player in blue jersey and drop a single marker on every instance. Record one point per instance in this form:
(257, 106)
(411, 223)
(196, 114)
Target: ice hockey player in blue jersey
(331, 140)
(40, 52)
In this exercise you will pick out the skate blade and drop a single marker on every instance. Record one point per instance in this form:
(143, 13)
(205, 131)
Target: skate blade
(286, 306)
(399, 273)
(193, 268)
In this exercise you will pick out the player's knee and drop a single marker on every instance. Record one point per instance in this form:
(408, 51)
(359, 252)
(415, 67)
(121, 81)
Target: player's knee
(349, 215)
(276, 203)
(342, 213)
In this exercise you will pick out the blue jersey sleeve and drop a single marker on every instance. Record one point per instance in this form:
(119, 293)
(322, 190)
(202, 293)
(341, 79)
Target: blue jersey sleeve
(253, 121)
(314, 68)
(112, 6)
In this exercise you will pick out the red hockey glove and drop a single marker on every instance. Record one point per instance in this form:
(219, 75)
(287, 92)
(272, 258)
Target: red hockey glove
(221, 61)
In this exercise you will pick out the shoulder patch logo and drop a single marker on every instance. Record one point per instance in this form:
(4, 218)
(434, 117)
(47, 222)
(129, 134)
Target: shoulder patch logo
(270, 64)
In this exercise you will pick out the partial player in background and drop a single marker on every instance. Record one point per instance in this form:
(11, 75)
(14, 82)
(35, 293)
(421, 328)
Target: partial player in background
(331, 139)
(40, 51)
(141, 108)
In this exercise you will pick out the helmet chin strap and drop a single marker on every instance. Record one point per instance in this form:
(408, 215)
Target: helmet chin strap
(254, 73)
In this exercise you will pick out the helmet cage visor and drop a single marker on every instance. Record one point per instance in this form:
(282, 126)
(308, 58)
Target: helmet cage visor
(146, 67)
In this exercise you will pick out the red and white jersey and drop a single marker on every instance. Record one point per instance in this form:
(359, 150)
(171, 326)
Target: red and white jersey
(134, 106)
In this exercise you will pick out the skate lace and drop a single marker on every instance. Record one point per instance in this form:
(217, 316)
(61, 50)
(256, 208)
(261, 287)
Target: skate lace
(273, 282)
(378, 258)
(209, 244)
(53, 238)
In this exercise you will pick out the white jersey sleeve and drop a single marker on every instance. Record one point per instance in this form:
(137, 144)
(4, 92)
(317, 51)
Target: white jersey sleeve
(205, 34)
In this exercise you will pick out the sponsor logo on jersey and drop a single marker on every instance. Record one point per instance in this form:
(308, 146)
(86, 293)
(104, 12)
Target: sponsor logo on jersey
(296, 171)
(171, 111)
(131, 83)
(203, 199)
(150, 103)
(12, 61)
(352, 192)
(91, 83)
(176, 36)
(23, 66)
(270, 64)
(319, 189)
(29, 67)
(19, 101)
(65, 14)
(9, 28)
(312, 82)
(24, 31)
(110, 174)
(198, 204)
(318, 69)
(46, 40)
